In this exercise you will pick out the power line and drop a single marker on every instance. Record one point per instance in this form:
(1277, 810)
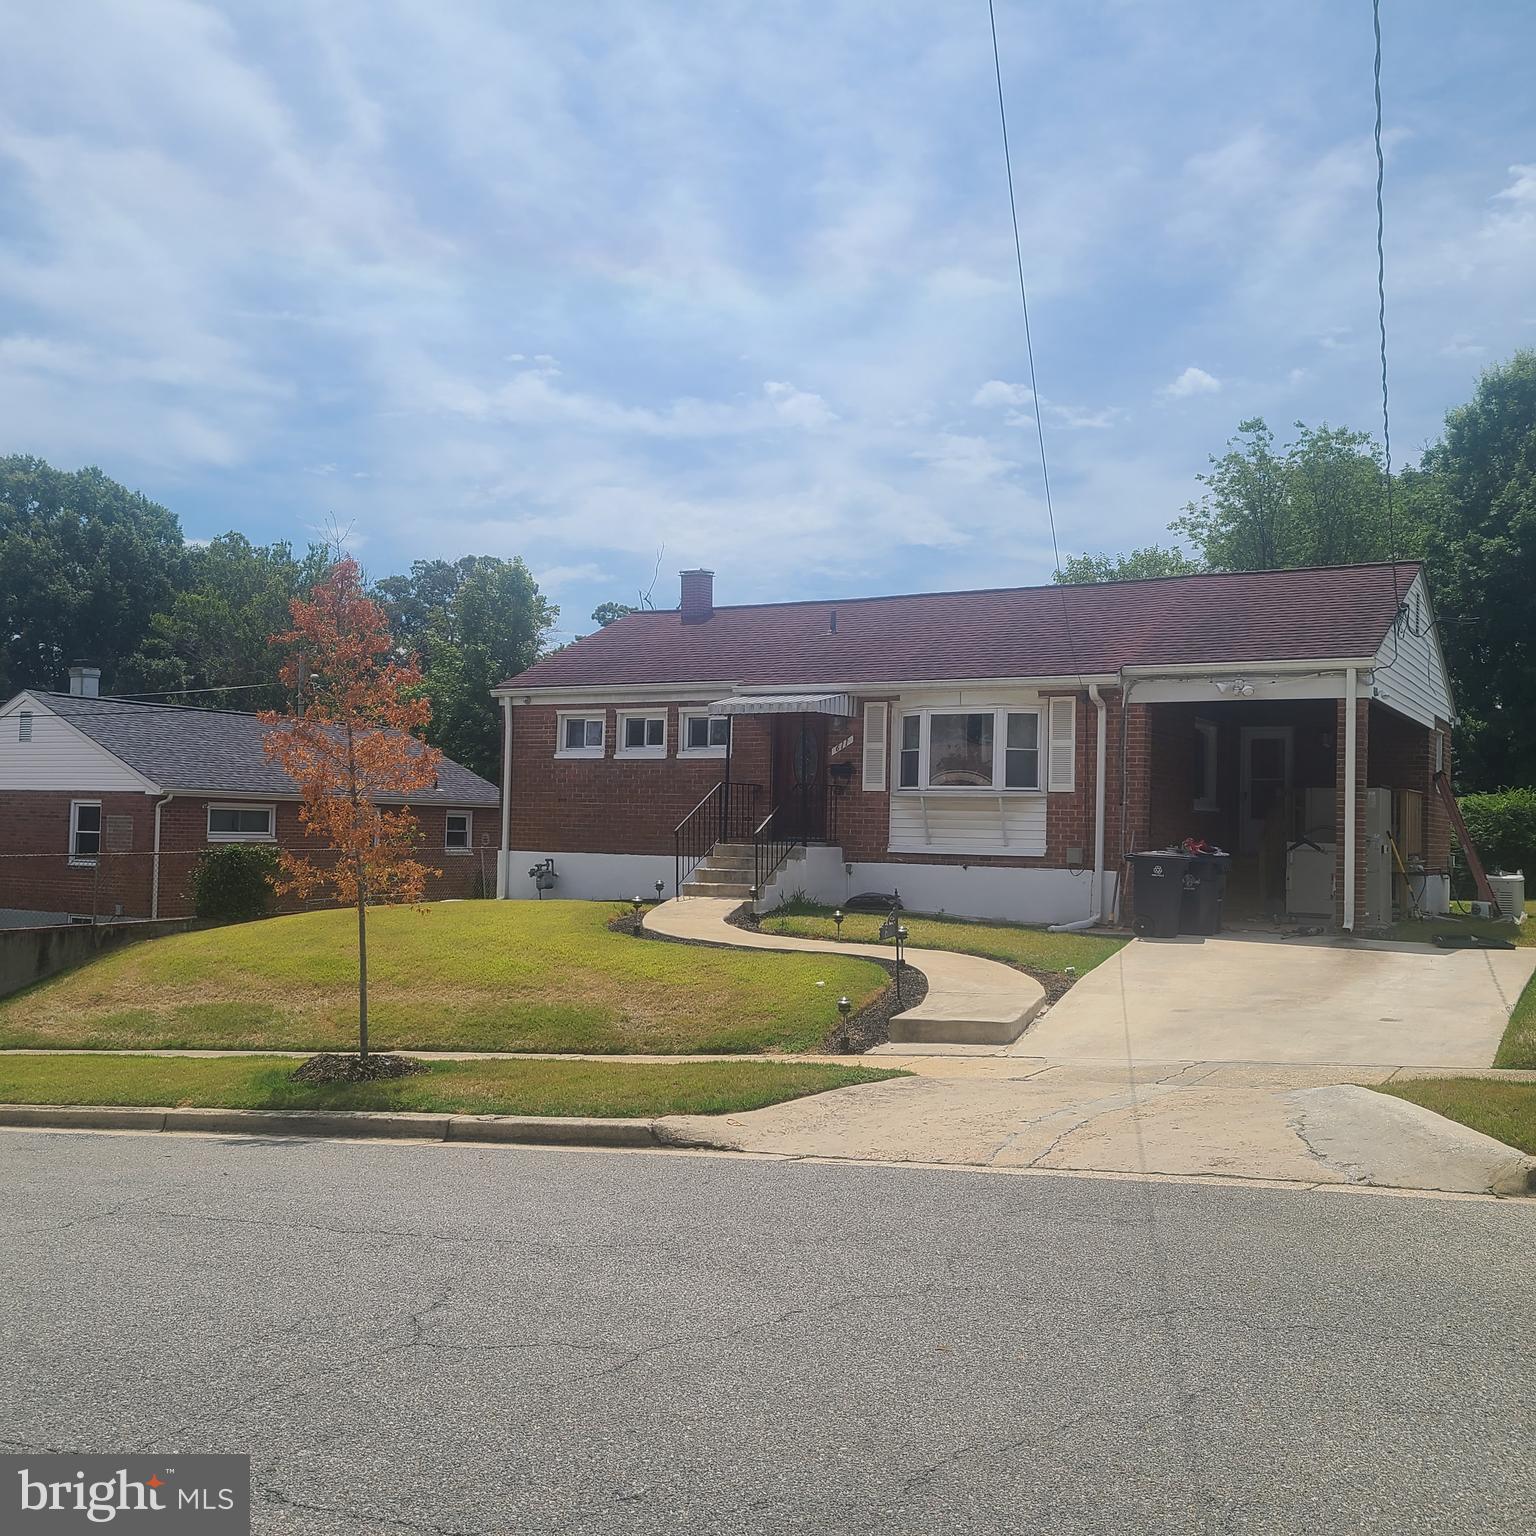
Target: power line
(1029, 344)
(1381, 316)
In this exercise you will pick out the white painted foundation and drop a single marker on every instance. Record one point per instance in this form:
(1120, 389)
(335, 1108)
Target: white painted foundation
(1015, 895)
(589, 876)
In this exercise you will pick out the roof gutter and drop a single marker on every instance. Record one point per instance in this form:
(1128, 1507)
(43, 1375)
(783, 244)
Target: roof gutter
(541, 693)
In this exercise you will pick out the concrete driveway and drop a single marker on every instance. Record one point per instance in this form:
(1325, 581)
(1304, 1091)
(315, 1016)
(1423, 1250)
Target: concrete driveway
(1266, 999)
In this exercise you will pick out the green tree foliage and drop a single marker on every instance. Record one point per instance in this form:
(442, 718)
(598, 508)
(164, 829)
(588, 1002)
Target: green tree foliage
(84, 564)
(473, 622)
(1503, 828)
(1477, 489)
(610, 613)
(1139, 565)
(1318, 500)
(213, 633)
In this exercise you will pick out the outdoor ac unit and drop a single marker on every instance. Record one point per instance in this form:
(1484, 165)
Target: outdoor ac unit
(1510, 891)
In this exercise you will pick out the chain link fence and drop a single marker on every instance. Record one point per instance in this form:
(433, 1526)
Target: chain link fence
(112, 886)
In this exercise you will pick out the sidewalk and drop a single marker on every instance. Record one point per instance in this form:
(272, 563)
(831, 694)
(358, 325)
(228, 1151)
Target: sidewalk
(970, 1001)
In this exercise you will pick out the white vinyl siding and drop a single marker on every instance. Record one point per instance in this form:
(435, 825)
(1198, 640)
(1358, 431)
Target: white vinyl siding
(876, 725)
(58, 756)
(939, 821)
(241, 823)
(1063, 747)
(1410, 669)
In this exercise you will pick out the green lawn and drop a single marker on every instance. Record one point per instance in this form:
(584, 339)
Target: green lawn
(1518, 1047)
(1033, 948)
(1425, 930)
(1504, 1110)
(532, 1087)
(470, 975)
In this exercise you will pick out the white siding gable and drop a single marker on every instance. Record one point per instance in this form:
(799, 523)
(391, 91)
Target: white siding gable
(58, 756)
(1410, 669)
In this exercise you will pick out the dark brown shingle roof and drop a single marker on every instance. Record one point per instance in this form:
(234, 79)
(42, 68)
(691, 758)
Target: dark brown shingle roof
(1334, 611)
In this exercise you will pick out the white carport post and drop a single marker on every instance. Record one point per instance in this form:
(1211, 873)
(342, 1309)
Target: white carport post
(504, 859)
(1350, 748)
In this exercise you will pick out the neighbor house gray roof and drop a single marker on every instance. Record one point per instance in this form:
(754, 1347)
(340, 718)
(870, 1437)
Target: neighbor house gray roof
(216, 749)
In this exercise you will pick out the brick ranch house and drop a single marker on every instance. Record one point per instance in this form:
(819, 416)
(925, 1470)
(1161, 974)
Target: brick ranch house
(996, 753)
(105, 805)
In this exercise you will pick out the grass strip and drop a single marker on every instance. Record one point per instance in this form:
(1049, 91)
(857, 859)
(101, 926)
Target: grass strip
(1504, 1110)
(604, 1089)
(1035, 949)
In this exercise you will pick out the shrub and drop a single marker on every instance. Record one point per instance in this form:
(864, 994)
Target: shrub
(1503, 828)
(233, 883)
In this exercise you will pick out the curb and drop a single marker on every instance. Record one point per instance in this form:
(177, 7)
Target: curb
(527, 1130)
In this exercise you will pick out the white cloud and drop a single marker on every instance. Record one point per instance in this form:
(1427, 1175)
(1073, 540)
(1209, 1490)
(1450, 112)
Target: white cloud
(799, 407)
(1000, 392)
(1193, 381)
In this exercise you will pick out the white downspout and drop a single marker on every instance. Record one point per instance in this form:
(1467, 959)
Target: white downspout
(154, 879)
(504, 861)
(1349, 799)
(1098, 824)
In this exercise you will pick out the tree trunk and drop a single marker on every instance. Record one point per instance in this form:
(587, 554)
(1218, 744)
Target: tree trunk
(362, 965)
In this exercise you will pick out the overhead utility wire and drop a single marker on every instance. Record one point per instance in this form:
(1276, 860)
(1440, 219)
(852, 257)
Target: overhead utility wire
(1381, 319)
(1029, 345)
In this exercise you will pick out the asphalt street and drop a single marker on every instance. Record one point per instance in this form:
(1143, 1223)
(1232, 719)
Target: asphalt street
(451, 1339)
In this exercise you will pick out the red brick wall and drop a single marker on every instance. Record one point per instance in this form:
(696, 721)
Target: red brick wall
(614, 804)
(36, 874)
(617, 805)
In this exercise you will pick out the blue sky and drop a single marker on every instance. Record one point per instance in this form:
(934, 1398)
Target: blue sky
(579, 282)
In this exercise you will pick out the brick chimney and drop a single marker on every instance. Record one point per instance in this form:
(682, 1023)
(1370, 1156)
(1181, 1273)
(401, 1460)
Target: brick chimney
(85, 682)
(698, 596)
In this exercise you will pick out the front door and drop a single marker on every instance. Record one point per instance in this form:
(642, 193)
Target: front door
(1265, 781)
(799, 775)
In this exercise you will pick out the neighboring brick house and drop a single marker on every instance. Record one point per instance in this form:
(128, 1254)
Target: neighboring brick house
(106, 803)
(996, 753)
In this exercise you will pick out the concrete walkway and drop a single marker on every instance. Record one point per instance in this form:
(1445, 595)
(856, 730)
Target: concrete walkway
(970, 1001)
(1265, 998)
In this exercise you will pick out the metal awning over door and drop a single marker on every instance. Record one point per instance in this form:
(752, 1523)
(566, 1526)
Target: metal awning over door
(783, 704)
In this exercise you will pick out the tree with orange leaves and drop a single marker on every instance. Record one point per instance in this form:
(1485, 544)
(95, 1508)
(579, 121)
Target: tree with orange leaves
(347, 744)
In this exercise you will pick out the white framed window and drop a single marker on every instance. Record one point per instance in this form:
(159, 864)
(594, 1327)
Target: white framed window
(242, 823)
(1207, 734)
(641, 734)
(580, 735)
(969, 749)
(458, 827)
(703, 734)
(84, 831)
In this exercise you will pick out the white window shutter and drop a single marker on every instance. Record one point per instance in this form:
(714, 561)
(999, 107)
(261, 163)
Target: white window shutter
(876, 717)
(1063, 744)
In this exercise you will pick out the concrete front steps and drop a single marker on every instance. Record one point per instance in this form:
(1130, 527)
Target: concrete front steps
(729, 870)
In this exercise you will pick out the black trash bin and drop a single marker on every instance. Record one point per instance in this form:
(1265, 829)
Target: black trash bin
(1205, 884)
(1158, 892)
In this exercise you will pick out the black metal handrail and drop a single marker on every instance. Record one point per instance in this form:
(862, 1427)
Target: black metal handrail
(727, 813)
(772, 842)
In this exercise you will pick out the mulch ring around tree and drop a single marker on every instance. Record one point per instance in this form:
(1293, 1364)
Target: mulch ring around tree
(332, 1067)
(861, 1031)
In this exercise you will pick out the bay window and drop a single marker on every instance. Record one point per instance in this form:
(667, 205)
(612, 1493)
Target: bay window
(975, 749)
